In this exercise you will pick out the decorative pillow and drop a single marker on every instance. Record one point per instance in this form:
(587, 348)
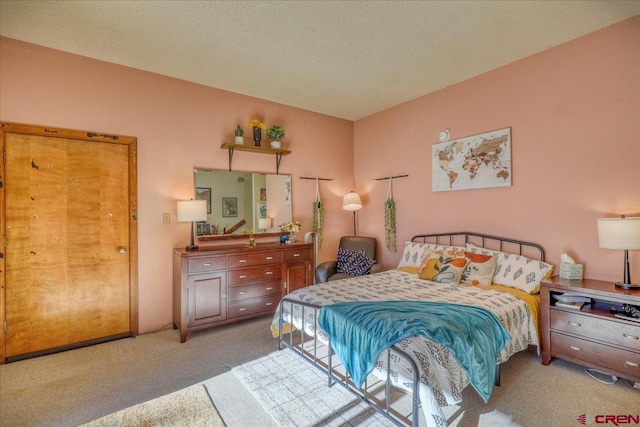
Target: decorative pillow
(353, 262)
(444, 268)
(412, 255)
(480, 269)
(516, 271)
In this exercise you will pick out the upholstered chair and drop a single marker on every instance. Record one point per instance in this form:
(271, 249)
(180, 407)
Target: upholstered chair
(327, 271)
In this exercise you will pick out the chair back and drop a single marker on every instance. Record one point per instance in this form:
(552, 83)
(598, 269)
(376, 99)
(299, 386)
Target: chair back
(366, 244)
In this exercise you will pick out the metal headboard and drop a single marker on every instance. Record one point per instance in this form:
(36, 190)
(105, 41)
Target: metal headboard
(503, 244)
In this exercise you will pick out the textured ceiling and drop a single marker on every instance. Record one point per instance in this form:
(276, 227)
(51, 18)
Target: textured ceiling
(346, 59)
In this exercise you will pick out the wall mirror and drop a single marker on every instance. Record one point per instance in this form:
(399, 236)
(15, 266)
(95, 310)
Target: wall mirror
(238, 202)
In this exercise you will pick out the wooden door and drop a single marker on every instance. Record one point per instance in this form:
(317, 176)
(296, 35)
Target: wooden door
(207, 298)
(70, 238)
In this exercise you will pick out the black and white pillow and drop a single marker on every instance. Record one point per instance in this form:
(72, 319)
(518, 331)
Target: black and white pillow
(353, 262)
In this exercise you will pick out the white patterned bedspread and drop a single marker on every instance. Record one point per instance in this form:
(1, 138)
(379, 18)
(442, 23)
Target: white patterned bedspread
(441, 378)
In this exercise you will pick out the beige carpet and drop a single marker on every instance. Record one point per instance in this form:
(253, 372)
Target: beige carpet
(191, 406)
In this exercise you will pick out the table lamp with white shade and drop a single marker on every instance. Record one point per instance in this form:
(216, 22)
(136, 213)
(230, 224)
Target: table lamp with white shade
(192, 211)
(264, 223)
(621, 233)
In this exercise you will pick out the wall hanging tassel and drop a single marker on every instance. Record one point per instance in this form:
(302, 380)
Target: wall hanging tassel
(390, 220)
(318, 215)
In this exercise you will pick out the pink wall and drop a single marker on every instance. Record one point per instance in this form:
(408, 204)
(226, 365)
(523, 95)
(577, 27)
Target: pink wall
(574, 113)
(179, 126)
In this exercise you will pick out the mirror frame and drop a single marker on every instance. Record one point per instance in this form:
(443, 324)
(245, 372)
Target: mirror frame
(219, 237)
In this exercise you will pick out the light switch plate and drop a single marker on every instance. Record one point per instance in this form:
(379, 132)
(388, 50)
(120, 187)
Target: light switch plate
(166, 218)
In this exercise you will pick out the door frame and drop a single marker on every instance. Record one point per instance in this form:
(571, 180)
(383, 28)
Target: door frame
(89, 136)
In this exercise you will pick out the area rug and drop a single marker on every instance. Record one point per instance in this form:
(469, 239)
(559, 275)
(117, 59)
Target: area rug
(295, 394)
(191, 406)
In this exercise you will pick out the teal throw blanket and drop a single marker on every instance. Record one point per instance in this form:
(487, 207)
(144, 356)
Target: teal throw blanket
(360, 331)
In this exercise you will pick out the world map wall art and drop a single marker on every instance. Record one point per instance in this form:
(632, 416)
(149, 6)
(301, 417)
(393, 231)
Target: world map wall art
(477, 161)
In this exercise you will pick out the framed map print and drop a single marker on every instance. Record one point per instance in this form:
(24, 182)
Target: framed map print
(229, 206)
(478, 161)
(204, 193)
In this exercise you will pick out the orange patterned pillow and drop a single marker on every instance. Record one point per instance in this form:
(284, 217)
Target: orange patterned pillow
(444, 267)
(480, 269)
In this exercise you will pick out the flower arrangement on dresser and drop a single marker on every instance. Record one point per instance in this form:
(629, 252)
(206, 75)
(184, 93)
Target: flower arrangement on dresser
(292, 228)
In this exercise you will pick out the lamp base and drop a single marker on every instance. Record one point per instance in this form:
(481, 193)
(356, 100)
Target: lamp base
(191, 248)
(627, 285)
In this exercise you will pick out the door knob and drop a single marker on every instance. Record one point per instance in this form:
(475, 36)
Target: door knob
(122, 249)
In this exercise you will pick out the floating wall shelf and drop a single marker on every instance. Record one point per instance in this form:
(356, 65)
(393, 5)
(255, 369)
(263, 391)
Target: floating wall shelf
(253, 149)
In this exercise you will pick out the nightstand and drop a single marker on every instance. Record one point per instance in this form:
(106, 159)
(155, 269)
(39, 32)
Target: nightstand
(592, 336)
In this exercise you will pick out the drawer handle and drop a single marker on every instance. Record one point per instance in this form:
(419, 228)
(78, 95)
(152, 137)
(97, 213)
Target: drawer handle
(269, 272)
(242, 260)
(574, 323)
(242, 276)
(207, 264)
(296, 255)
(573, 347)
(269, 288)
(243, 292)
(269, 257)
(242, 309)
(270, 303)
(632, 364)
(631, 337)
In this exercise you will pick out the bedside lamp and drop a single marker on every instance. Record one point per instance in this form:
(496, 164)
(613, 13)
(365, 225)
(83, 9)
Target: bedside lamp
(192, 211)
(352, 202)
(264, 223)
(621, 233)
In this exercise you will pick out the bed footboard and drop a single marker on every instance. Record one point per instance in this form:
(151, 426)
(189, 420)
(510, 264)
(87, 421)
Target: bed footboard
(379, 394)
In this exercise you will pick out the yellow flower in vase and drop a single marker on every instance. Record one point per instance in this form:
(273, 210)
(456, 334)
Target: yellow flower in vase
(257, 127)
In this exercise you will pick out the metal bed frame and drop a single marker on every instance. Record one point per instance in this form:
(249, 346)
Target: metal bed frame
(322, 356)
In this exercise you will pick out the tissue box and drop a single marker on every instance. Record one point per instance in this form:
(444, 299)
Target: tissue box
(571, 271)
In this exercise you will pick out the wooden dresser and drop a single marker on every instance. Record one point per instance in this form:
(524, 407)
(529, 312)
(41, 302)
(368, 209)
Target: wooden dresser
(224, 284)
(591, 336)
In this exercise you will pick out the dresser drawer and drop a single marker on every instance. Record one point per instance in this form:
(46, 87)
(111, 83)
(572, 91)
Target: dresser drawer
(237, 293)
(253, 306)
(253, 259)
(301, 254)
(204, 264)
(599, 354)
(254, 274)
(596, 328)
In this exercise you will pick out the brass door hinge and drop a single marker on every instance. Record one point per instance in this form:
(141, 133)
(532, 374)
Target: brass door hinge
(4, 326)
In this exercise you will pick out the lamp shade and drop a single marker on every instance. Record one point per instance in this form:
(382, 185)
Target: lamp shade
(192, 210)
(264, 223)
(351, 201)
(619, 233)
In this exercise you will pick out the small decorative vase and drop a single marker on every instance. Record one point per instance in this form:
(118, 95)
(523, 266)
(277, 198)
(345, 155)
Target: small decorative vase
(257, 135)
(239, 140)
(252, 241)
(292, 237)
(275, 144)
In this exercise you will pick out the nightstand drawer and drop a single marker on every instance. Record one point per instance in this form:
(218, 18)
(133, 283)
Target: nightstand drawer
(597, 328)
(253, 306)
(599, 354)
(255, 274)
(238, 293)
(204, 264)
(253, 259)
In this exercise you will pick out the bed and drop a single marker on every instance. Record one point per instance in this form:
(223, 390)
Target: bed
(421, 368)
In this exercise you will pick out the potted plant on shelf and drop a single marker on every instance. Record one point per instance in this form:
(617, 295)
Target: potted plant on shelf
(257, 127)
(275, 133)
(239, 135)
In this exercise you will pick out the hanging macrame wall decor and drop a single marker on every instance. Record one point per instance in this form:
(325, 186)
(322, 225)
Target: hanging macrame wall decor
(318, 215)
(390, 220)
